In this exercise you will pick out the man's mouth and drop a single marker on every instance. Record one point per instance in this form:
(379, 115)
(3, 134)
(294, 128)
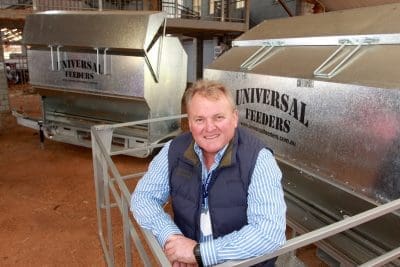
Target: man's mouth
(210, 137)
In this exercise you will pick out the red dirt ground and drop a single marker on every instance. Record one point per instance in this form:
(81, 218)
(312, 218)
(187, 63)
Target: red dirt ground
(47, 199)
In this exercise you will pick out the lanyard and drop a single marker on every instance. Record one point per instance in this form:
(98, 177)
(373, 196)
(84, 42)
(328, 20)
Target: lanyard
(204, 188)
(205, 185)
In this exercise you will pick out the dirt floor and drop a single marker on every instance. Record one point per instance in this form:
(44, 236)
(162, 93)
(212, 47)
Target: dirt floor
(47, 198)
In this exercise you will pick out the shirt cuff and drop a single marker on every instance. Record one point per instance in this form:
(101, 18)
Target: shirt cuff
(208, 253)
(166, 233)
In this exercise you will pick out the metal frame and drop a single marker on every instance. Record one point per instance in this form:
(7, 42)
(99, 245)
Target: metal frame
(108, 180)
(156, 72)
(173, 8)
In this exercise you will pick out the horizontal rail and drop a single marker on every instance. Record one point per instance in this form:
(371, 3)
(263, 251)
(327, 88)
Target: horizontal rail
(136, 149)
(112, 167)
(383, 259)
(322, 233)
(133, 123)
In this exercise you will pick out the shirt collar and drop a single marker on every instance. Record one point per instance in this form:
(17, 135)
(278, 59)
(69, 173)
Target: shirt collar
(217, 158)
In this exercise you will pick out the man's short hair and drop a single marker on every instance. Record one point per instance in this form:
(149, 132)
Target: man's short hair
(209, 89)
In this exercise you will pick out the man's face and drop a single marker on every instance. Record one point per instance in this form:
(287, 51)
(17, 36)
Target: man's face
(212, 122)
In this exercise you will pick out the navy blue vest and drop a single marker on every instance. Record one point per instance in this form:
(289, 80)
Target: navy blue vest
(227, 194)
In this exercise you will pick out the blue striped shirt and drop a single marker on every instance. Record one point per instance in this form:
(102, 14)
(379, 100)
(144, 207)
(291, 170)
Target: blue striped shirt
(264, 233)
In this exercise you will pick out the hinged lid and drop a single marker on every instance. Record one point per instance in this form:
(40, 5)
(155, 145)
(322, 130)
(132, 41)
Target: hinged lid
(107, 29)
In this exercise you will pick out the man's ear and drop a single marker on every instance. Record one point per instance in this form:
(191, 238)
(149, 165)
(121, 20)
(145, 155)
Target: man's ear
(189, 123)
(236, 116)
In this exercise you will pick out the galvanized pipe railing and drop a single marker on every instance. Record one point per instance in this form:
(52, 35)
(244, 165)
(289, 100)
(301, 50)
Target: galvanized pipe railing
(327, 231)
(104, 185)
(108, 180)
(104, 168)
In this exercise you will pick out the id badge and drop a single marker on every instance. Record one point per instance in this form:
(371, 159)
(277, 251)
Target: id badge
(205, 223)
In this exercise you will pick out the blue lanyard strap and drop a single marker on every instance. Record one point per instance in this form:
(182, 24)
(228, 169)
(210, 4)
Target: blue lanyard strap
(204, 188)
(206, 183)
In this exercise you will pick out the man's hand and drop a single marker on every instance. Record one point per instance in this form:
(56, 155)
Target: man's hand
(179, 249)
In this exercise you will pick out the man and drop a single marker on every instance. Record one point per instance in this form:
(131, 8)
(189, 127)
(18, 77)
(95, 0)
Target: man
(224, 185)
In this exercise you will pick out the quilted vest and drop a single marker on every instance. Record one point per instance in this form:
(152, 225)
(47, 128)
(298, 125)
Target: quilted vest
(227, 193)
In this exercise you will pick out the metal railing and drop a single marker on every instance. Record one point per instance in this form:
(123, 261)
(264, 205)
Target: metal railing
(221, 10)
(108, 180)
(175, 10)
(230, 10)
(12, 4)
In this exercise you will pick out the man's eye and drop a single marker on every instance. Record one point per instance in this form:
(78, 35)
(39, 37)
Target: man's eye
(220, 118)
(198, 120)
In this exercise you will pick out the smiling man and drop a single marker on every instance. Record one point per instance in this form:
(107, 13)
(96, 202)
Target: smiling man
(224, 185)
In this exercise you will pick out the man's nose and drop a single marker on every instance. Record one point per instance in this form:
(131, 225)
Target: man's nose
(210, 125)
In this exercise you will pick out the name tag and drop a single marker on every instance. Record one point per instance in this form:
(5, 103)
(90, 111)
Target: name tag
(205, 223)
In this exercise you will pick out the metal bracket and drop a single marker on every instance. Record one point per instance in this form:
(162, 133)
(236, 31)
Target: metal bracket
(98, 61)
(105, 61)
(156, 72)
(53, 68)
(318, 72)
(58, 57)
(51, 57)
(257, 57)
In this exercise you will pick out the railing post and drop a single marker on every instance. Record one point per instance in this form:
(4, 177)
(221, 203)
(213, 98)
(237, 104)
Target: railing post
(101, 181)
(100, 5)
(100, 173)
(34, 5)
(126, 232)
(107, 204)
(247, 9)
(222, 10)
